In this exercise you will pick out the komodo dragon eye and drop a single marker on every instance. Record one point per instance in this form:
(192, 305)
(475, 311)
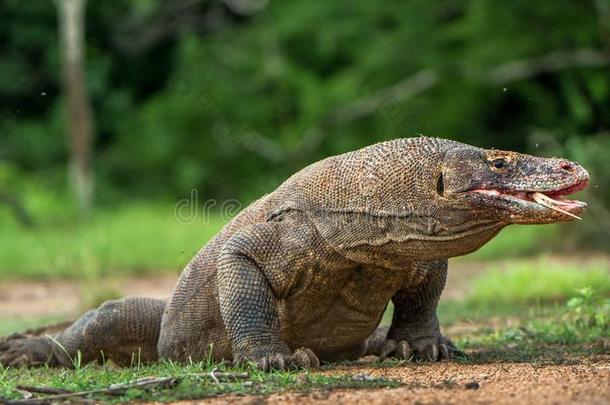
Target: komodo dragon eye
(499, 163)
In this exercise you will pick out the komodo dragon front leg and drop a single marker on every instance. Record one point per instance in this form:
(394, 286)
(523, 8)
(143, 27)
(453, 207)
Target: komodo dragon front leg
(258, 267)
(415, 331)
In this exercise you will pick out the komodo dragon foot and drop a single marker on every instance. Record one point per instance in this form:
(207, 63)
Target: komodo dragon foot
(419, 344)
(302, 358)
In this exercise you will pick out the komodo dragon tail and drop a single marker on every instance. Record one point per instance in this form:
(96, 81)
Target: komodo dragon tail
(123, 331)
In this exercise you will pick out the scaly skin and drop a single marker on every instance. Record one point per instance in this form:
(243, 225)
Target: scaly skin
(304, 274)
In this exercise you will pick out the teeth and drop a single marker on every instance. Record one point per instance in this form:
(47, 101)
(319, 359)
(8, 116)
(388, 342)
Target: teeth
(552, 204)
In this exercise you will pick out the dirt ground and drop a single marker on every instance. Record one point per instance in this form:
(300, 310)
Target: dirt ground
(462, 384)
(27, 299)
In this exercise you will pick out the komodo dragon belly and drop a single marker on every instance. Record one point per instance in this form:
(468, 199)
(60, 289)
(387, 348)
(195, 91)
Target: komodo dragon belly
(338, 310)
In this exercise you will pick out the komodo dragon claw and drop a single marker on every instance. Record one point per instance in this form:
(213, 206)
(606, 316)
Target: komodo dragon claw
(302, 358)
(420, 351)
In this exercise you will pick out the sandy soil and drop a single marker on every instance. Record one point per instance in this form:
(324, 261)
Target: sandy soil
(463, 384)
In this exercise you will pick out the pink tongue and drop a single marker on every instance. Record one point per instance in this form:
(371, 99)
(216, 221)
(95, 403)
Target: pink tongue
(521, 194)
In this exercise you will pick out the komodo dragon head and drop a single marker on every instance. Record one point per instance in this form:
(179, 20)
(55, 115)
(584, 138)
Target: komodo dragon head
(429, 197)
(521, 188)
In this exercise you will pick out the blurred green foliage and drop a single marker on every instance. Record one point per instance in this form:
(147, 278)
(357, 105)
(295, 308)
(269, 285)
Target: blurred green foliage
(133, 239)
(230, 101)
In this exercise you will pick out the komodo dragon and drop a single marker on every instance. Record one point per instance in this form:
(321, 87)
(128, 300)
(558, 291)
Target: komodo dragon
(305, 273)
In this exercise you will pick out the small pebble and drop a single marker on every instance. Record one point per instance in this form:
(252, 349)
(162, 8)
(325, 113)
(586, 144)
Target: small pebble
(472, 385)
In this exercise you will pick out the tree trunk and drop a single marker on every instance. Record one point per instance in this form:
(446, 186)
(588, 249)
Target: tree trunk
(80, 116)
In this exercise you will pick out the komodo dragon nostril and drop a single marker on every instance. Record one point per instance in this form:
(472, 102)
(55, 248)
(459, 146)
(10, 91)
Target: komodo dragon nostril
(565, 165)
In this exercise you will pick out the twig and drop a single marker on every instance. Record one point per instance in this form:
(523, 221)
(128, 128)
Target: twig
(43, 401)
(112, 390)
(222, 375)
(43, 390)
(399, 92)
(548, 63)
(116, 389)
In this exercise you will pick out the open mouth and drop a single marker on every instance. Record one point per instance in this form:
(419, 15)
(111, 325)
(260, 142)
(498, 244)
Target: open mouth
(554, 200)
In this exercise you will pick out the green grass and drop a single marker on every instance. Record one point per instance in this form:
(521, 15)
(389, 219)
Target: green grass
(539, 280)
(580, 327)
(192, 381)
(129, 240)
